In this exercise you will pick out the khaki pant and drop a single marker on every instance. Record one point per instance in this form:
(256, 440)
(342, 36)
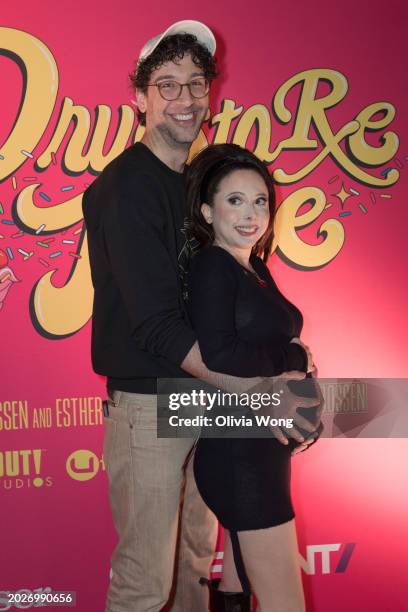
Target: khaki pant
(147, 478)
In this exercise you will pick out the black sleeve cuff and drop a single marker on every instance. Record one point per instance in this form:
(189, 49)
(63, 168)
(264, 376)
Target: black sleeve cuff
(297, 357)
(181, 346)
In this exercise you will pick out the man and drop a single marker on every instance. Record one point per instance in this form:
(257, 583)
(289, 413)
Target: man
(134, 214)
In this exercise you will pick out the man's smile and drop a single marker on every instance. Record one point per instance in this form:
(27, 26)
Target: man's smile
(185, 119)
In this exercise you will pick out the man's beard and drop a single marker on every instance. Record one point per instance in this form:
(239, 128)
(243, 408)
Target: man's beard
(174, 139)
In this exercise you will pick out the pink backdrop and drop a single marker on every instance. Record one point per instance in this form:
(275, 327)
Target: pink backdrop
(350, 284)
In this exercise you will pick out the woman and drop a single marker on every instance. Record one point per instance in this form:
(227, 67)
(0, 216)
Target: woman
(245, 327)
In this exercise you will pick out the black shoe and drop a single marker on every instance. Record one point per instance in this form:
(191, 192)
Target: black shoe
(224, 601)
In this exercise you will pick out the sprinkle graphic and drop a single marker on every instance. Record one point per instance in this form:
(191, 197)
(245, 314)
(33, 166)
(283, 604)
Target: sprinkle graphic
(40, 229)
(68, 242)
(45, 196)
(43, 244)
(56, 254)
(345, 213)
(10, 253)
(386, 195)
(27, 154)
(386, 171)
(43, 262)
(363, 208)
(1, 236)
(67, 188)
(75, 255)
(1, 156)
(1, 208)
(54, 159)
(78, 231)
(14, 182)
(30, 254)
(354, 191)
(372, 196)
(333, 179)
(327, 205)
(22, 252)
(18, 235)
(29, 178)
(7, 222)
(47, 240)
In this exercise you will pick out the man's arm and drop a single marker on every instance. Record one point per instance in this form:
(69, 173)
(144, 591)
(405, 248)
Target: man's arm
(134, 226)
(194, 365)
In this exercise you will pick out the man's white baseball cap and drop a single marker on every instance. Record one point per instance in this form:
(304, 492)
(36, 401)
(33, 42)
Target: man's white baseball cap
(188, 26)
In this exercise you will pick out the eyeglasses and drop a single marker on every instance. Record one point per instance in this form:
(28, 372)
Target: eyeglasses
(171, 90)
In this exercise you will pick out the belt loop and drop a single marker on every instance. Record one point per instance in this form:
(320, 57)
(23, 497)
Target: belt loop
(114, 395)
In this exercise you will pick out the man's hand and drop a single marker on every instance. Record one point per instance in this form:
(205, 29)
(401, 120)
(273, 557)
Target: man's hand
(303, 446)
(287, 409)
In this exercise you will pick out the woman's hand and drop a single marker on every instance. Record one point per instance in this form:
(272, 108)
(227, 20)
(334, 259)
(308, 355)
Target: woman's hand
(310, 365)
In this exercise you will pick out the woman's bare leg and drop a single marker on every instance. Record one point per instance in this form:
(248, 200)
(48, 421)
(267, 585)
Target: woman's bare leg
(272, 565)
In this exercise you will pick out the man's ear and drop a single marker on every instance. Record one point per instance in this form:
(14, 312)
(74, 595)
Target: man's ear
(141, 100)
(207, 212)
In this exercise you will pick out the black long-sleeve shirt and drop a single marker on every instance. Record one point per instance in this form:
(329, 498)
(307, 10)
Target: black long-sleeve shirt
(134, 214)
(243, 328)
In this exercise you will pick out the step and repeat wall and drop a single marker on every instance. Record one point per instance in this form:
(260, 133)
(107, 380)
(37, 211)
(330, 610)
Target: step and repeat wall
(318, 91)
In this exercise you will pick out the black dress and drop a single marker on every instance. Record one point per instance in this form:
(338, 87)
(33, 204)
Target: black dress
(244, 328)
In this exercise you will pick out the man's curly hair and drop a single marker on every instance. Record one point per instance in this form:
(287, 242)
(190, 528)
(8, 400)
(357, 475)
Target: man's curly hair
(172, 49)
